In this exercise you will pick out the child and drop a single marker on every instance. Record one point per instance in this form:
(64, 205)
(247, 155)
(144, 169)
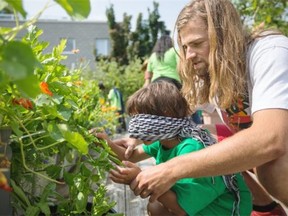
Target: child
(161, 119)
(115, 99)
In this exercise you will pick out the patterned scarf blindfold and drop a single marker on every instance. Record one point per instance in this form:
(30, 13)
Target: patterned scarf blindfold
(148, 127)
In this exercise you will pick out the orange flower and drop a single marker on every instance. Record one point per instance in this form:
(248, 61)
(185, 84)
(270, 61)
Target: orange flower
(15, 101)
(45, 89)
(78, 83)
(26, 103)
(4, 183)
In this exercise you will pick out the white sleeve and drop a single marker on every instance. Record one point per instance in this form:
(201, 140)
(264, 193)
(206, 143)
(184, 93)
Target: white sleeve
(268, 70)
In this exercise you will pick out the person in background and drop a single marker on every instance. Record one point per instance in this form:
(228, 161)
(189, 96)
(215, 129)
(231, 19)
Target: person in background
(161, 119)
(102, 93)
(115, 99)
(162, 65)
(163, 62)
(245, 76)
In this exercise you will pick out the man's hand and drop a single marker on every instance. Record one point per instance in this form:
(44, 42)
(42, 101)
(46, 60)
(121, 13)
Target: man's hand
(153, 182)
(124, 175)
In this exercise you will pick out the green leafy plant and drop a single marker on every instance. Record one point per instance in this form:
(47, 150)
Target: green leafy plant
(128, 78)
(56, 161)
(257, 13)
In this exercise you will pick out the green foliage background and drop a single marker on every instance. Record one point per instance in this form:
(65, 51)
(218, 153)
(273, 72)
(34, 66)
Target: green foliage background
(274, 13)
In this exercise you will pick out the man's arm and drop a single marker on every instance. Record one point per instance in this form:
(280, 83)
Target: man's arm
(264, 141)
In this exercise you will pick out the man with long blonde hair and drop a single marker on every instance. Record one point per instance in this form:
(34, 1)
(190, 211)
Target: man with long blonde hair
(246, 78)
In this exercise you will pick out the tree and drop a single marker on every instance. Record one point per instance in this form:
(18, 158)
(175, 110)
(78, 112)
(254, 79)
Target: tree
(140, 43)
(127, 45)
(155, 25)
(273, 13)
(119, 34)
(111, 17)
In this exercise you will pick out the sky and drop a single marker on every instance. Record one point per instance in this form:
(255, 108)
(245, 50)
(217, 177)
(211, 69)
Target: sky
(168, 9)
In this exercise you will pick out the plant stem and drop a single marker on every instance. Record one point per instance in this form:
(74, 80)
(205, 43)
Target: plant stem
(32, 171)
(23, 154)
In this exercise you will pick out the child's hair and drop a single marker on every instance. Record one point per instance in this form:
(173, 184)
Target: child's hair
(159, 98)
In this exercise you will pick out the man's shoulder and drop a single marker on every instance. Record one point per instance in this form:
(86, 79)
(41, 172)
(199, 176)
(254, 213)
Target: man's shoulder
(274, 46)
(269, 41)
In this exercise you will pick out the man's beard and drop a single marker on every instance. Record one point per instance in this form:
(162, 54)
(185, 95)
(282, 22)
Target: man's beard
(202, 72)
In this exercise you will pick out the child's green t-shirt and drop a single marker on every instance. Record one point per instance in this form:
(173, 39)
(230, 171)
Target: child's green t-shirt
(201, 196)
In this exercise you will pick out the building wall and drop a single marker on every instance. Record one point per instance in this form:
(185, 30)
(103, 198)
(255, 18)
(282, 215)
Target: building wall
(85, 34)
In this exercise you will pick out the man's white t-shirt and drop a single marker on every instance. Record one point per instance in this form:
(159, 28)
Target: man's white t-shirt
(267, 65)
(268, 70)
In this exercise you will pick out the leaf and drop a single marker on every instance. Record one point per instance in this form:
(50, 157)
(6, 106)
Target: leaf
(68, 177)
(85, 171)
(33, 33)
(53, 111)
(55, 133)
(74, 138)
(18, 62)
(19, 52)
(42, 100)
(17, 5)
(47, 191)
(15, 127)
(58, 50)
(75, 8)
(32, 211)
(78, 183)
(43, 204)
(29, 86)
(3, 5)
(64, 113)
(14, 70)
(81, 202)
(20, 193)
(44, 207)
(53, 171)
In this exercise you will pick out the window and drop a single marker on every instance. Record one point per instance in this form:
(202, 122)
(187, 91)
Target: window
(102, 46)
(70, 46)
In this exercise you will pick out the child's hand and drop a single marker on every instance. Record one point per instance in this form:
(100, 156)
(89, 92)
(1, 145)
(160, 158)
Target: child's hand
(128, 144)
(101, 135)
(124, 175)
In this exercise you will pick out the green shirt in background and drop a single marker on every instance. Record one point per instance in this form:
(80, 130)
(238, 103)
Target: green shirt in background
(201, 196)
(114, 98)
(165, 68)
